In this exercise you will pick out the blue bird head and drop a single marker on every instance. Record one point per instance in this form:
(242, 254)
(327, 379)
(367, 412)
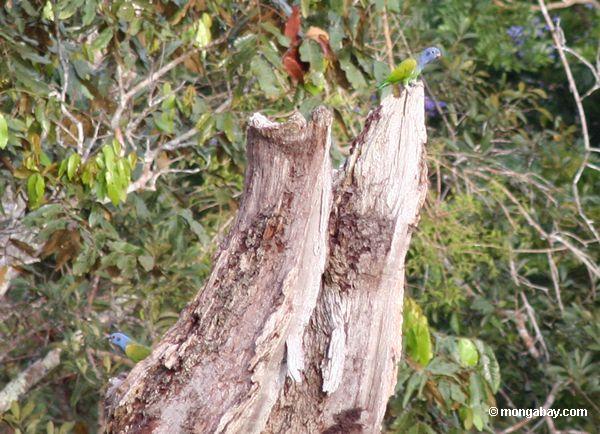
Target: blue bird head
(429, 55)
(119, 339)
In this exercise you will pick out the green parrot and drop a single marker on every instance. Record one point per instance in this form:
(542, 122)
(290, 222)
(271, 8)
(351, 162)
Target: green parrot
(409, 69)
(133, 350)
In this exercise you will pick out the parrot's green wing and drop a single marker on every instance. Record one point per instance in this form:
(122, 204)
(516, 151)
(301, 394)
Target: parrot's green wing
(137, 352)
(402, 74)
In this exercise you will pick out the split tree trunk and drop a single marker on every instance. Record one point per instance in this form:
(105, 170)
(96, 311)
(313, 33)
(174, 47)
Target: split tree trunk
(298, 329)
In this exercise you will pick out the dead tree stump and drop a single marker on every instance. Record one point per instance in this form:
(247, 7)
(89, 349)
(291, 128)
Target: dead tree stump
(298, 328)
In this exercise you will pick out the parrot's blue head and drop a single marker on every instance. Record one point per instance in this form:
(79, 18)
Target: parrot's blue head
(429, 55)
(119, 339)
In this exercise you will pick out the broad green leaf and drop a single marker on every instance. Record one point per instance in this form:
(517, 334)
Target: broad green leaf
(103, 39)
(203, 36)
(414, 383)
(15, 409)
(266, 77)
(164, 121)
(45, 159)
(89, 12)
(108, 154)
(478, 417)
(146, 261)
(466, 415)
(355, 77)
(112, 190)
(416, 333)
(116, 147)
(85, 260)
(48, 11)
(205, 126)
(72, 165)
(3, 132)
(440, 367)
(132, 159)
(467, 352)
(35, 189)
(311, 52)
(305, 7)
(66, 428)
(457, 394)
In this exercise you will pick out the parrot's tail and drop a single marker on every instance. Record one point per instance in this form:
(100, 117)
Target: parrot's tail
(383, 84)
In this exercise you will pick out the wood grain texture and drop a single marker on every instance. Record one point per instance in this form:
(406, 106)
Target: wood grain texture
(298, 328)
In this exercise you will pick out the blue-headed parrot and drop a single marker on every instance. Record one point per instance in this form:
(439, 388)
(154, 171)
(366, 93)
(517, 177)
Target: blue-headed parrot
(133, 350)
(409, 69)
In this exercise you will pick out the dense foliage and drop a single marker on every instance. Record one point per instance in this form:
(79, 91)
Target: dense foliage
(122, 159)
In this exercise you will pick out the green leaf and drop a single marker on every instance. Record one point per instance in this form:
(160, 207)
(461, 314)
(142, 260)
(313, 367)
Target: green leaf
(203, 36)
(66, 428)
(146, 261)
(15, 409)
(35, 189)
(466, 415)
(103, 39)
(48, 12)
(116, 147)
(440, 367)
(311, 52)
(112, 190)
(164, 121)
(478, 420)
(467, 352)
(457, 394)
(89, 12)
(489, 366)
(3, 132)
(416, 332)
(265, 75)
(72, 165)
(414, 383)
(108, 158)
(305, 7)
(353, 74)
(205, 125)
(85, 260)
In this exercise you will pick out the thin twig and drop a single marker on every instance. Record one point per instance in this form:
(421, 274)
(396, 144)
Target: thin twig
(555, 280)
(547, 404)
(568, 3)
(559, 39)
(155, 76)
(388, 40)
(62, 96)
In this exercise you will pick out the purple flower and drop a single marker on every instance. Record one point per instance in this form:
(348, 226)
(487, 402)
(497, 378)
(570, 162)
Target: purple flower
(516, 34)
(430, 107)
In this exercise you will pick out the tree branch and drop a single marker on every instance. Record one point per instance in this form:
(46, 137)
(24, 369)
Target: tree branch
(28, 378)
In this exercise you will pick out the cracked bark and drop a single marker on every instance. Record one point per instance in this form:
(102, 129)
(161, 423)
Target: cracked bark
(298, 328)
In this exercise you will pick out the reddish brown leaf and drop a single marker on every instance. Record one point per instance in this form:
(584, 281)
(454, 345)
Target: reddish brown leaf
(293, 65)
(292, 26)
(324, 43)
(320, 36)
(315, 33)
(23, 246)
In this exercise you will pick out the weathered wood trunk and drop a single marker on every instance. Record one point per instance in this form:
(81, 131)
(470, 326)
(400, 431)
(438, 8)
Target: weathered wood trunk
(298, 328)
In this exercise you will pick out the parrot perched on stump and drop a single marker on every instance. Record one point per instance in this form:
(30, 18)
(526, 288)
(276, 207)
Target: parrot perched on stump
(409, 69)
(133, 350)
